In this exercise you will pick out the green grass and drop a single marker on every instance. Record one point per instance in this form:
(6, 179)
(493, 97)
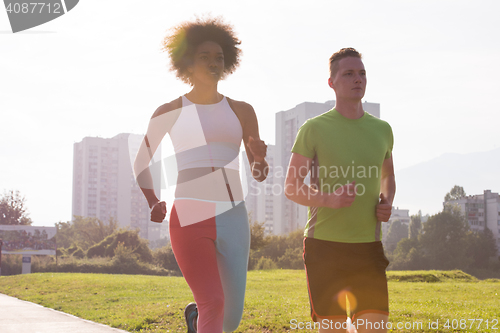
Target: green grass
(155, 303)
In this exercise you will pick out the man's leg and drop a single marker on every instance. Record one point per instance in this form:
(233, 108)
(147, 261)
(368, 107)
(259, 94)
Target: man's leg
(370, 288)
(326, 283)
(371, 323)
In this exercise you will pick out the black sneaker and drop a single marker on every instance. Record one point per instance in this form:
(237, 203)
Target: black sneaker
(191, 315)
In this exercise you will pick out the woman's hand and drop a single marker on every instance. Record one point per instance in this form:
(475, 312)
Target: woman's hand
(258, 148)
(159, 211)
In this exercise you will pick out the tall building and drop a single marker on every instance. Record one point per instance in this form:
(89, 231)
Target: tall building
(104, 185)
(482, 211)
(289, 216)
(259, 198)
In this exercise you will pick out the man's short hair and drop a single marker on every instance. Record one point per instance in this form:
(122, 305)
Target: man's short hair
(341, 54)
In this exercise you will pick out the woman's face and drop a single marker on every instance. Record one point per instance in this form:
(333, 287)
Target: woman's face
(208, 64)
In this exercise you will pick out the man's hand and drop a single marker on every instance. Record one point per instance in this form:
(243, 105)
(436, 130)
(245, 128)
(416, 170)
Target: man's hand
(384, 209)
(343, 197)
(258, 148)
(159, 211)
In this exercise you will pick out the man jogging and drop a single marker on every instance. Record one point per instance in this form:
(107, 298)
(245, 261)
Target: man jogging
(348, 153)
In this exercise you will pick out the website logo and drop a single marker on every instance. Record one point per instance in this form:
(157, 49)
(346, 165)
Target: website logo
(26, 14)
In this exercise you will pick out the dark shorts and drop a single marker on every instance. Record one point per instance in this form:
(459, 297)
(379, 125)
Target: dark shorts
(335, 270)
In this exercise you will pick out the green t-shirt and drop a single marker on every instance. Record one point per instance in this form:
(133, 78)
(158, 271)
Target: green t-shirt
(345, 150)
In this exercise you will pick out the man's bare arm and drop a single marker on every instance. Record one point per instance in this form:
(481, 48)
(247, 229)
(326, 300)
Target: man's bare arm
(297, 191)
(387, 191)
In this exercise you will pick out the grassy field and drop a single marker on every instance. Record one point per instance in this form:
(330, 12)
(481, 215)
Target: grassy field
(274, 300)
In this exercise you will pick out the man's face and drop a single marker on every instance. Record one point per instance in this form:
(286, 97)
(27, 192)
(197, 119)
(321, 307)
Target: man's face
(350, 80)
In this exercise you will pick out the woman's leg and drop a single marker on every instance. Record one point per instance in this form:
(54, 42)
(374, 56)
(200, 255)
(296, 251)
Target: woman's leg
(233, 246)
(195, 252)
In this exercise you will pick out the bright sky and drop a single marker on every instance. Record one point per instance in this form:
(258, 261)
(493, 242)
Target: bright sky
(98, 71)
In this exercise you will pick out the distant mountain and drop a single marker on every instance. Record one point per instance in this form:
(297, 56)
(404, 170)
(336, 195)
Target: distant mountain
(423, 186)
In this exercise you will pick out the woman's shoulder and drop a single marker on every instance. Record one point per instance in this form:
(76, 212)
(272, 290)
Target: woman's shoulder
(240, 107)
(175, 104)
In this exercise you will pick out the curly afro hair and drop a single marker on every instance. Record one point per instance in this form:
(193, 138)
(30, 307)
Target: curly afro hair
(183, 40)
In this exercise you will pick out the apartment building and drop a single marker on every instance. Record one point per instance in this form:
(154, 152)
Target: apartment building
(481, 211)
(104, 185)
(259, 197)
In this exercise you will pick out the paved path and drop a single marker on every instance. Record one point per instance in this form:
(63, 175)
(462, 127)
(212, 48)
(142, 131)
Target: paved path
(18, 316)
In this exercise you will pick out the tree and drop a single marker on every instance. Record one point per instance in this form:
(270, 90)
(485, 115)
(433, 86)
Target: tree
(408, 255)
(292, 259)
(83, 231)
(415, 225)
(444, 240)
(481, 246)
(257, 236)
(13, 209)
(397, 231)
(455, 193)
(285, 250)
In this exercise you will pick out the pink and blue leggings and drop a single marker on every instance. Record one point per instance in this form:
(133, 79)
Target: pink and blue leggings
(213, 257)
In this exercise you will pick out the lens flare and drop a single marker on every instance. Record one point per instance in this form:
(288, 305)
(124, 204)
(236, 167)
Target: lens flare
(347, 301)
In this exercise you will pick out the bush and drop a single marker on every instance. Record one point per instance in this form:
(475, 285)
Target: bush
(38, 262)
(125, 260)
(99, 249)
(79, 253)
(12, 264)
(129, 238)
(73, 250)
(61, 252)
(118, 265)
(165, 258)
(292, 259)
(265, 263)
(284, 251)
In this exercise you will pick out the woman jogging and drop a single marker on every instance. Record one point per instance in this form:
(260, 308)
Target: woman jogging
(209, 228)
